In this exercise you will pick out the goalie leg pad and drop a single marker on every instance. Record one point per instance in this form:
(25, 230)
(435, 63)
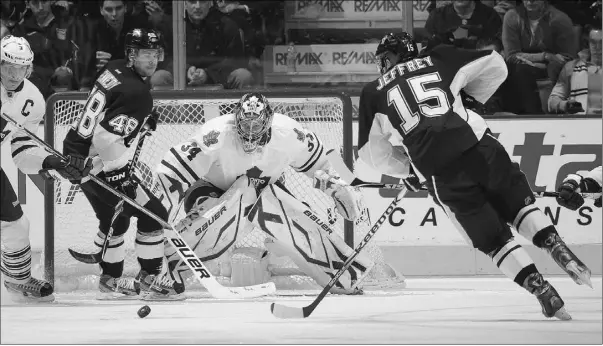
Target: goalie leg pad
(16, 252)
(249, 267)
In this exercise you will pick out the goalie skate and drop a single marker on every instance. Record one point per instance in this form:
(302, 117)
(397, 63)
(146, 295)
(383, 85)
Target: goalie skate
(566, 259)
(159, 287)
(34, 290)
(111, 288)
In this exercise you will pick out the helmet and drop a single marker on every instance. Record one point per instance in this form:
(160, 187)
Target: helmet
(402, 45)
(253, 119)
(16, 50)
(17, 61)
(143, 39)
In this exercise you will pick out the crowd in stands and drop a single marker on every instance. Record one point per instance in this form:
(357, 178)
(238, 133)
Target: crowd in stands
(552, 47)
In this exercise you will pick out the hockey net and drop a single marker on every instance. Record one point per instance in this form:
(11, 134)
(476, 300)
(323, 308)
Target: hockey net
(73, 223)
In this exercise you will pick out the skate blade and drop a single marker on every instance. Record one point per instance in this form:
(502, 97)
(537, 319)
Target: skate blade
(563, 315)
(152, 297)
(19, 297)
(115, 296)
(582, 277)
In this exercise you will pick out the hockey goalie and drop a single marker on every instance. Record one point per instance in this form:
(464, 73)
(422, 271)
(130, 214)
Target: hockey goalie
(226, 179)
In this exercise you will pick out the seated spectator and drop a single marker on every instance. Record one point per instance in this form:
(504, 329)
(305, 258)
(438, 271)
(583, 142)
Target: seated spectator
(500, 6)
(214, 49)
(578, 89)
(55, 36)
(467, 20)
(12, 14)
(538, 40)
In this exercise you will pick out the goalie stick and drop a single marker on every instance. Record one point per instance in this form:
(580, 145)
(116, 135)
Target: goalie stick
(284, 311)
(93, 258)
(201, 273)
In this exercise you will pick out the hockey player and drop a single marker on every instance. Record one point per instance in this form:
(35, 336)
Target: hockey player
(467, 171)
(118, 107)
(229, 162)
(23, 102)
(574, 184)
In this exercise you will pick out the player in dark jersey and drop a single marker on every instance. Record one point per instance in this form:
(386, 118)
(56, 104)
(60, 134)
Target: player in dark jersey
(118, 107)
(469, 174)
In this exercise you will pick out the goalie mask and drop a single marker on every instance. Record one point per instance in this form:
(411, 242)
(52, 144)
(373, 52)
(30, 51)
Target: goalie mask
(17, 61)
(253, 119)
(394, 49)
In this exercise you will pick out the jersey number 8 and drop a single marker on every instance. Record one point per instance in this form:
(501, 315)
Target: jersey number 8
(94, 106)
(421, 94)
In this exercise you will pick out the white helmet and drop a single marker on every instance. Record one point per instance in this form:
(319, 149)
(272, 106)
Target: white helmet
(16, 50)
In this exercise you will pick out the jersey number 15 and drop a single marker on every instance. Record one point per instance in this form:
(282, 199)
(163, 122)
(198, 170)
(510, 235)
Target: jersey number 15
(421, 94)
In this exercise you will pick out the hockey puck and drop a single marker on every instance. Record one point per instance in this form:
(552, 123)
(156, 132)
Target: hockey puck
(144, 311)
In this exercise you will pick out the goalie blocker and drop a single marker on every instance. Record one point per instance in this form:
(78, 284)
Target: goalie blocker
(216, 220)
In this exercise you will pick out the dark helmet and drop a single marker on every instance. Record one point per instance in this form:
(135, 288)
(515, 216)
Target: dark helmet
(143, 39)
(402, 45)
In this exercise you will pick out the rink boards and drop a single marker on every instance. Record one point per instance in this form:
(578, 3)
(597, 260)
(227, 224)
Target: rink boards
(418, 239)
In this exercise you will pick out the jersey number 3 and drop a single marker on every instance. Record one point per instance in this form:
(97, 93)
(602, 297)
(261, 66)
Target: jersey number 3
(421, 94)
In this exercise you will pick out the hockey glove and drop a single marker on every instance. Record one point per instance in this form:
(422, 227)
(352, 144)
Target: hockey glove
(123, 181)
(153, 119)
(412, 183)
(348, 199)
(569, 193)
(75, 168)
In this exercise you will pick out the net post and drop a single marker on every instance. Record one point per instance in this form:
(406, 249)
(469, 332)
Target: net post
(49, 197)
(348, 156)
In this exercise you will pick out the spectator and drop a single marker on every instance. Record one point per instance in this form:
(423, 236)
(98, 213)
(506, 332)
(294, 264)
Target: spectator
(538, 40)
(214, 49)
(467, 20)
(500, 6)
(55, 36)
(578, 89)
(11, 15)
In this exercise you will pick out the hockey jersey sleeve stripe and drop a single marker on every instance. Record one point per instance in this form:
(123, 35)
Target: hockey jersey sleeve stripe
(20, 139)
(184, 164)
(315, 157)
(177, 172)
(22, 148)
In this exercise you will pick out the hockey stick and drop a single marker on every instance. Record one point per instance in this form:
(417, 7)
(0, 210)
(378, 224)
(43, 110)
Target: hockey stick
(94, 258)
(284, 311)
(184, 251)
(359, 183)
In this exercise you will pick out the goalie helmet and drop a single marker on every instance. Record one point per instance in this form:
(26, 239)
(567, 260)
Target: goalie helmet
(402, 45)
(17, 61)
(253, 119)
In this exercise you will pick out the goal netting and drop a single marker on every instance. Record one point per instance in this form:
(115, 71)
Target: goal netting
(74, 225)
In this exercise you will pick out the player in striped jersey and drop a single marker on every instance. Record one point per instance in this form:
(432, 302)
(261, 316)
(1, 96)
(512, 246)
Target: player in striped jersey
(244, 151)
(23, 102)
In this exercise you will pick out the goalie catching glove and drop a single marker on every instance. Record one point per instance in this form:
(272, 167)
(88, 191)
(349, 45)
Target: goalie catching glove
(74, 168)
(348, 199)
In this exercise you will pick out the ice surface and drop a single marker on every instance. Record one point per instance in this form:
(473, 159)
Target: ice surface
(433, 311)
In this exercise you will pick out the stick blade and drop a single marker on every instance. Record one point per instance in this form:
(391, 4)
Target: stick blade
(246, 292)
(89, 258)
(287, 312)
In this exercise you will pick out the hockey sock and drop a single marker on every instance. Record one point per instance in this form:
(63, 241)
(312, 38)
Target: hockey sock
(530, 220)
(113, 262)
(149, 249)
(514, 262)
(16, 251)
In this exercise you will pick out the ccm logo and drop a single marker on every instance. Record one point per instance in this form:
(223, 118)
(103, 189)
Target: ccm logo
(117, 177)
(190, 257)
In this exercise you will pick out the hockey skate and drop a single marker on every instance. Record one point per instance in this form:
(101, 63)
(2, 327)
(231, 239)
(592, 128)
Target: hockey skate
(117, 288)
(34, 290)
(566, 259)
(159, 287)
(550, 301)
